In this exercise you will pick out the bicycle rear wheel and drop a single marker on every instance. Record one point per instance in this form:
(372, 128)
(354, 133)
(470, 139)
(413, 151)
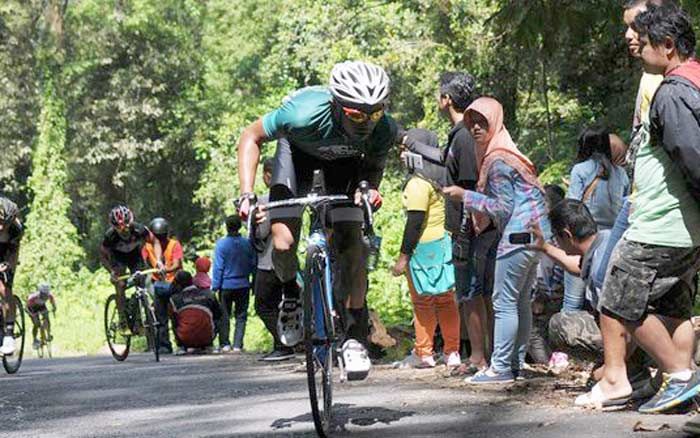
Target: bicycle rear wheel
(118, 343)
(318, 343)
(12, 363)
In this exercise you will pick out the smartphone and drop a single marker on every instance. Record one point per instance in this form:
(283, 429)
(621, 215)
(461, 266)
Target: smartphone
(520, 238)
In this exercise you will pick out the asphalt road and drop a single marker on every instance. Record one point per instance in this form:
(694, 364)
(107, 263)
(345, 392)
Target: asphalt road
(234, 396)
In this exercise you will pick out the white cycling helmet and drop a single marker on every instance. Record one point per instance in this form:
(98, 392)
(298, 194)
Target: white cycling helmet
(44, 288)
(360, 83)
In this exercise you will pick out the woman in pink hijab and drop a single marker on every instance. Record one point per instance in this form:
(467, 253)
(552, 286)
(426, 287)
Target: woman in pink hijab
(509, 195)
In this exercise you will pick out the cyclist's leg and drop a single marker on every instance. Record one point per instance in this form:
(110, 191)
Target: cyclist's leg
(36, 323)
(8, 304)
(350, 270)
(47, 324)
(120, 292)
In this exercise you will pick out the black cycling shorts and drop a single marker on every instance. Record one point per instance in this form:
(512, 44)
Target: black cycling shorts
(133, 261)
(293, 177)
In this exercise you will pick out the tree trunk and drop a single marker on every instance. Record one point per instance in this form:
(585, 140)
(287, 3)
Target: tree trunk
(545, 94)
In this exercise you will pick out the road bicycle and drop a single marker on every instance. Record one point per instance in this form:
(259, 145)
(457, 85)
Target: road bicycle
(140, 315)
(45, 337)
(322, 322)
(13, 362)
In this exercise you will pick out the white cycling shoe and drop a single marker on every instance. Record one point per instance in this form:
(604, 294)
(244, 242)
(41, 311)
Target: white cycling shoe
(355, 359)
(8, 346)
(289, 323)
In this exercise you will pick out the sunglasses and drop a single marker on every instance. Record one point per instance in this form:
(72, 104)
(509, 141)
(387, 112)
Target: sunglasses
(358, 116)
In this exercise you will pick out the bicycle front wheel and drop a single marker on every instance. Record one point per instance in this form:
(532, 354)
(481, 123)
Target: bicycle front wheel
(152, 332)
(12, 363)
(118, 342)
(318, 343)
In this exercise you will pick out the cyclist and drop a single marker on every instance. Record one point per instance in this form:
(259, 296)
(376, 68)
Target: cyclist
(343, 130)
(36, 306)
(121, 250)
(10, 235)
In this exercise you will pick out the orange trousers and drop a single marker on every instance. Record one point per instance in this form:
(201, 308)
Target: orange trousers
(429, 311)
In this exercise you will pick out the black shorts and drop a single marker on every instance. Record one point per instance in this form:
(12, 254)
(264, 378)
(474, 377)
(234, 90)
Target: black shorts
(293, 176)
(37, 310)
(649, 279)
(133, 261)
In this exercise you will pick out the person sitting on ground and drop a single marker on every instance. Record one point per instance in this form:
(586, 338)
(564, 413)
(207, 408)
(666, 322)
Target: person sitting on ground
(171, 261)
(196, 314)
(234, 263)
(579, 252)
(36, 307)
(201, 277)
(510, 195)
(426, 260)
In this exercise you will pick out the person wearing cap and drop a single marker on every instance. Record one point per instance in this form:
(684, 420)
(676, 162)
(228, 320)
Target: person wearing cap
(171, 260)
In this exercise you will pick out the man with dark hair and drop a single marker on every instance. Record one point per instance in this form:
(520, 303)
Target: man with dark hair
(473, 268)
(268, 288)
(580, 253)
(652, 271)
(234, 263)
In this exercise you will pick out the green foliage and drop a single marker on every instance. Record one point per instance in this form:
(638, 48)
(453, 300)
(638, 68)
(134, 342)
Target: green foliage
(143, 102)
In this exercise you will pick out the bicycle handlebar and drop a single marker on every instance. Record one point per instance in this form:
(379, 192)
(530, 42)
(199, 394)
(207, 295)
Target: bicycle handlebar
(314, 201)
(138, 274)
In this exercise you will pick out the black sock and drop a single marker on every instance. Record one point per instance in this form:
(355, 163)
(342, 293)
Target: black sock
(358, 325)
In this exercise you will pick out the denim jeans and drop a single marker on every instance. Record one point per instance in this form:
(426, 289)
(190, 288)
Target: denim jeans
(574, 293)
(236, 300)
(516, 273)
(621, 225)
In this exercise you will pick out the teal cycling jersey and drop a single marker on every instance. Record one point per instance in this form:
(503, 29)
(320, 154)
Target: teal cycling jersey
(306, 120)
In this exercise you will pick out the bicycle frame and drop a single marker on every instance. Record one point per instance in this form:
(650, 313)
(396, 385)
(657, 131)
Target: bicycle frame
(318, 239)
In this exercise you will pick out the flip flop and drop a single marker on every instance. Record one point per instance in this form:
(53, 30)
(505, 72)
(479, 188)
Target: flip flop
(595, 399)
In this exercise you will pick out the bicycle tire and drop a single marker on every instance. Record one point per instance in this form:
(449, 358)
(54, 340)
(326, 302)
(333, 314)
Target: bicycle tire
(152, 331)
(47, 342)
(112, 330)
(42, 340)
(12, 363)
(316, 360)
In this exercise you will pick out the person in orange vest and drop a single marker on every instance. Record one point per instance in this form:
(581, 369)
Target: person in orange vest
(172, 260)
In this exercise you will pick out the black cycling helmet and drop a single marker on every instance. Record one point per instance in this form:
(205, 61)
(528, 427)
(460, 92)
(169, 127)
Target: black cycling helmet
(121, 216)
(159, 226)
(8, 211)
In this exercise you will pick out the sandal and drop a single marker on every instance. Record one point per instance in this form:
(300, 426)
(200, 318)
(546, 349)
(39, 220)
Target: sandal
(595, 399)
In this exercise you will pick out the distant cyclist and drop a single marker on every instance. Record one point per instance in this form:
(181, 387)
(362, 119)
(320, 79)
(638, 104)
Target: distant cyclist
(121, 251)
(10, 235)
(343, 130)
(36, 306)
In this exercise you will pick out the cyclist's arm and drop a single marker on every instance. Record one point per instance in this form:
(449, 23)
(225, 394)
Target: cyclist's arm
(13, 258)
(106, 258)
(53, 302)
(249, 145)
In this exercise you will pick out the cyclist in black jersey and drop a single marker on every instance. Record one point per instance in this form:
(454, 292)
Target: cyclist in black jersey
(10, 235)
(342, 129)
(121, 251)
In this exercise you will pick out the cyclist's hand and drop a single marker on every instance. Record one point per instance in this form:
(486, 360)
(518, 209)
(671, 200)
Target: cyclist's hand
(244, 208)
(454, 192)
(375, 198)
(260, 214)
(114, 277)
(4, 266)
